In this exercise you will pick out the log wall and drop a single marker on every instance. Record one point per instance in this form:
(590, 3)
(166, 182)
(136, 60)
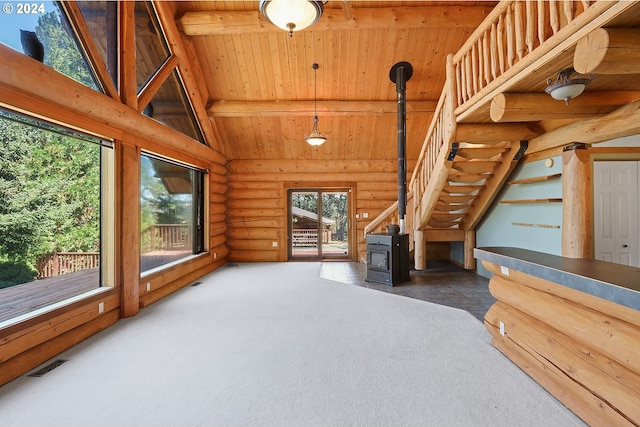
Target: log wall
(26, 344)
(257, 200)
(583, 349)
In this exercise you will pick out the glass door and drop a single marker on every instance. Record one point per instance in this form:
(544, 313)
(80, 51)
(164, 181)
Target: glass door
(335, 213)
(304, 241)
(318, 224)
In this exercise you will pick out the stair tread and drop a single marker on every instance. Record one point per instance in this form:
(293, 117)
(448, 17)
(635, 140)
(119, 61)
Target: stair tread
(474, 166)
(468, 177)
(480, 153)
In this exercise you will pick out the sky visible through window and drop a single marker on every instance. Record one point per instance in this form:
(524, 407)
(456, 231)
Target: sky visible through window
(16, 16)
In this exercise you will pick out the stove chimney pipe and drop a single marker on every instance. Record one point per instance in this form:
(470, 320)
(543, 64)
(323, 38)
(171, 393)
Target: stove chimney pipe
(400, 73)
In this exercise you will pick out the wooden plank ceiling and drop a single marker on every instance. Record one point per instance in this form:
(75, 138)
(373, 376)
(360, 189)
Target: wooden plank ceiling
(260, 81)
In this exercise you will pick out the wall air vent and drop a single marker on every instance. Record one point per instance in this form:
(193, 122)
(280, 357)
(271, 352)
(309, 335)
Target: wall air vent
(48, 368)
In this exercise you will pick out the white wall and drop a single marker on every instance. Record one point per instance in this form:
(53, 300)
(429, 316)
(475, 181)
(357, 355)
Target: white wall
(496, 228)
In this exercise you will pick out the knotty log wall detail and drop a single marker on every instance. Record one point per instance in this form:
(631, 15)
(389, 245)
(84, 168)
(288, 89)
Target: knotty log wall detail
(257, 200)
(583, 349)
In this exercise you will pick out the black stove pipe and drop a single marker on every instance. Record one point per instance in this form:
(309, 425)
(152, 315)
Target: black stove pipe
(400, 73)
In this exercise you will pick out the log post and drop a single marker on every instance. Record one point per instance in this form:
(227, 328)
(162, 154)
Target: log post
(130, 231)
(469, 245)
(420, 247)
(127, 55)
(577, 203)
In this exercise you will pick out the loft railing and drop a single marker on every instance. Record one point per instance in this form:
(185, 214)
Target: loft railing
(515, 34)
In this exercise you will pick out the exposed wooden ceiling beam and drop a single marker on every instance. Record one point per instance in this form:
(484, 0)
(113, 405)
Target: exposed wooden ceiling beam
(242, 22)
(624, 121)
(483, 133)
(303, 108)
(533, 107)
(608, 51)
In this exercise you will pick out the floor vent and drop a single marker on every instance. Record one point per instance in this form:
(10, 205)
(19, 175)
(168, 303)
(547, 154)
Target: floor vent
(196, 283)
(45, 369)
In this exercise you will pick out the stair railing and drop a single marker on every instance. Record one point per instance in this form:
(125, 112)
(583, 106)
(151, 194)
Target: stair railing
(512, 37)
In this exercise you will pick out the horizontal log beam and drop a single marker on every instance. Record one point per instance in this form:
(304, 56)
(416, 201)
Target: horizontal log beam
(608, 51)
(305, 108)
(243, 22)
(447, 235)
(625, 121)
(82, 105)
(533, 107)
(483, 133)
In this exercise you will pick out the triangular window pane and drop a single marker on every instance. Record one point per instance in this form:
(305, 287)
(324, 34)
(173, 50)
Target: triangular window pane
(101, 18)
(42, 31)
(171, 106)
(151, 49)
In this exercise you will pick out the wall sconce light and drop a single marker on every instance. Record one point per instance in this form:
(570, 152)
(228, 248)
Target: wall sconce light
(565, 87)
(291, 15)
(315, 138)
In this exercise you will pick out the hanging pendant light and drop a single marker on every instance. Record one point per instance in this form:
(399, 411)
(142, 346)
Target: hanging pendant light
(291, 15)
(315, 138)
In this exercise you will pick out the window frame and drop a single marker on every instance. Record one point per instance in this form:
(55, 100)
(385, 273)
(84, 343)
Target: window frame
(199, 202)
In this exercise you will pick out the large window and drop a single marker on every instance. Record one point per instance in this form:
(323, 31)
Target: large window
(171, 212)
(56, 201)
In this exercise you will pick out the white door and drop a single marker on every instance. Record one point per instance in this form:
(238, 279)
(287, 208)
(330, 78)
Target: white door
(616, 219)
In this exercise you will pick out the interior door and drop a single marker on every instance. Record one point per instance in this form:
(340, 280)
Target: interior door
(318, 223)
(616, 223)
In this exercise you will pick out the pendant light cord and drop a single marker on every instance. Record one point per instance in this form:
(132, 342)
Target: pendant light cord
(315, 90)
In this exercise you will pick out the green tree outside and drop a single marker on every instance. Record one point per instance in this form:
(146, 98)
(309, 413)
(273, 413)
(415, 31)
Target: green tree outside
(49, 183)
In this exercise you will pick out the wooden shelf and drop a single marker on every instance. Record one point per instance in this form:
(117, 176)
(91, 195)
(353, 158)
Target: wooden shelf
(523, 201)
(536, 179)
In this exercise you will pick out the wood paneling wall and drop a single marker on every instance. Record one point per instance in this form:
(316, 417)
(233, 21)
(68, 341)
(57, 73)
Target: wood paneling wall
(257, 200)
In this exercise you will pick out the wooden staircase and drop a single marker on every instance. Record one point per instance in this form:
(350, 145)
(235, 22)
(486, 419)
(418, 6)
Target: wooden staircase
(466, 156)
(475, 172)
(459, 172)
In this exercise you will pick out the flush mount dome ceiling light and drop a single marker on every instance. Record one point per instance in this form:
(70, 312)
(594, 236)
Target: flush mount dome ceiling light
(566, 88)
(291, 15)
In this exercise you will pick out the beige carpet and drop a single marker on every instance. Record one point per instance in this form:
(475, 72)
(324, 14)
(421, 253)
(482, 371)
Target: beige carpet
(275, 345)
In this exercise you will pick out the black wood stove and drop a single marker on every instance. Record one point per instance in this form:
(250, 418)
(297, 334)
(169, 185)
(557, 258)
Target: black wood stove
(388, 258)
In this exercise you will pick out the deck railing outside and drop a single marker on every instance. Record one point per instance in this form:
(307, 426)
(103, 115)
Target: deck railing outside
(157, 237)
(60, 263)
(166, 237)
(309, 236)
